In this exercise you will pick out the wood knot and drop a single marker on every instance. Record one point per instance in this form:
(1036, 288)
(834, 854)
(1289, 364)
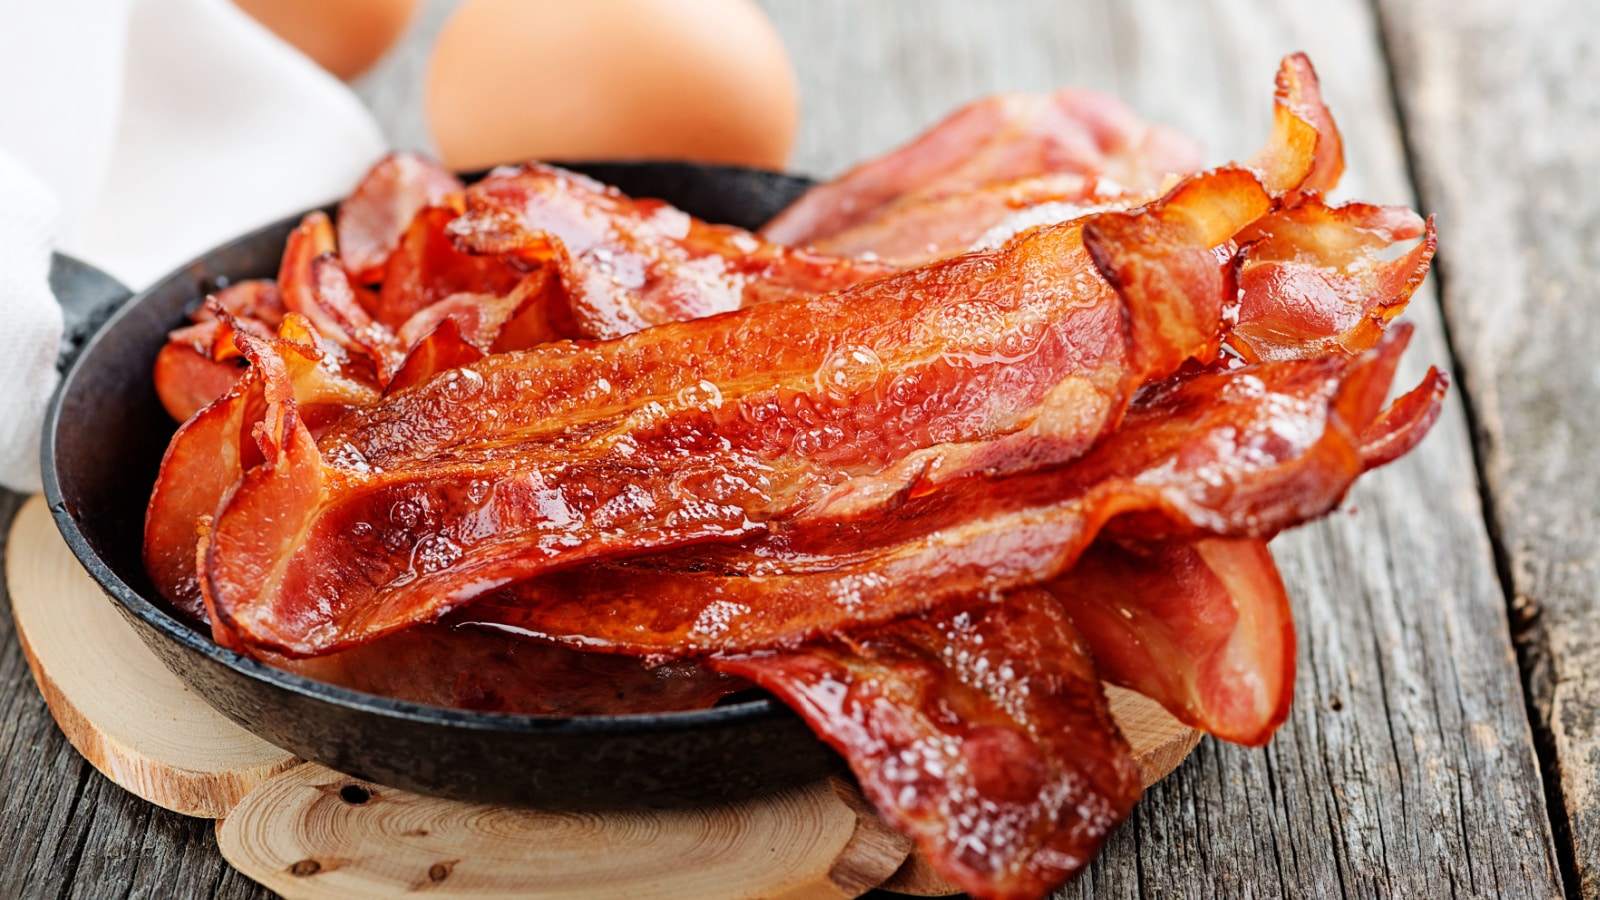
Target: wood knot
(305, 867)
(354, 794)
(439, 871)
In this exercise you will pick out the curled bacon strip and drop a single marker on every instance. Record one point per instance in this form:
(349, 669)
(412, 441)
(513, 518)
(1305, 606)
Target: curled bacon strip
(187, 375)
(907, 208)
(983, 733)
(212, 450)
(1313, 278)
(917, 229)
(630, 264)
(1245, 453)
(533, 312)
(999, 139)
(374, 217)
(1306, 152)
(1202, 627)
(199, 363)
(427, 267)
(202, 463)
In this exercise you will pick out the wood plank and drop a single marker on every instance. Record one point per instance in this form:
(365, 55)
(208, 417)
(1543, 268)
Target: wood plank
(1407, 767)
(119, 705)
(67, 831)
(1504, 127)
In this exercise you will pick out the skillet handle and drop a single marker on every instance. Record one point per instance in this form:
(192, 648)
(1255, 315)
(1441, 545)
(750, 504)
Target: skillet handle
(88, 297)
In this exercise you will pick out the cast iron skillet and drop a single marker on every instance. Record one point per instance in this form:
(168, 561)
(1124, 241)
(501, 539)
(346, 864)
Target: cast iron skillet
(103, 440)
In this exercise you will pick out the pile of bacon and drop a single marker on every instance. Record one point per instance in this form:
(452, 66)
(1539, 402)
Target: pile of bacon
(1019, 417)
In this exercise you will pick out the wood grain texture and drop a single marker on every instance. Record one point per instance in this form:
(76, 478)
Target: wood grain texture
(65, 830)
(128, 715)
(313, 833)
(1407, 767)
(1503, 113)
(1160, 743)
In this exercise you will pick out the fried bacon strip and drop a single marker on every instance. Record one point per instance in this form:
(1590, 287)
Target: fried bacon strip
(917, 230)
(1305, 152)
(1021, 318)
(1202, 627)
(212, 449)
(629, 264)
(426, 268)
(906, 208)
(373, 219)
(983, 733)
(445, 505)
(1001, 138)
(199, 363)
(1313, 278)
(1244, 453)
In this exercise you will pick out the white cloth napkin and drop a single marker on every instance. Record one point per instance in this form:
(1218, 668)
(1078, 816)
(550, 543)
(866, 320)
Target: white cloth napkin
(135, 134)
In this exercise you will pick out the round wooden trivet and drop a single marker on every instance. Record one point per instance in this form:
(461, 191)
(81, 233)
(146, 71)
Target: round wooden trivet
(312, 832)
(306, 831)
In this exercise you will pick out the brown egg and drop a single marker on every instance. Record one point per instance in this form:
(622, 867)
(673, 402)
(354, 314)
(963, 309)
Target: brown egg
(704, 80)
(344, 36)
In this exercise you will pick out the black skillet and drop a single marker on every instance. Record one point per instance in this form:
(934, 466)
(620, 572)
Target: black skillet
(103, 440)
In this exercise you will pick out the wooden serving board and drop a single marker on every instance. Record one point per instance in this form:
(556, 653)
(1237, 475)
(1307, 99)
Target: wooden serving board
(306, 831)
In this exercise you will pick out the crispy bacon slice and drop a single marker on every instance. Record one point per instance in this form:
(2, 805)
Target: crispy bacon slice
(310, 240)
(426, 267)
(1405, 423)
(1202, 627)
(1244, 453)
(201, 465)
(905, 209)
(187, 375)
(464, 328)
(1001, 138)
(916, 230)
(533, 312)
(214, 448)
(1314, 279)
(373, 218)
(253, 300)
(440, 350)
(983, 733)
(630, 264)
(1305, 152)
(199, 363)
(337, 300)
(446, 505)
(1032, 313)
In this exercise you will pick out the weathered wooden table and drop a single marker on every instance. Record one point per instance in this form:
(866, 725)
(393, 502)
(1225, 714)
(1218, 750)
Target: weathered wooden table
(1444, 736)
